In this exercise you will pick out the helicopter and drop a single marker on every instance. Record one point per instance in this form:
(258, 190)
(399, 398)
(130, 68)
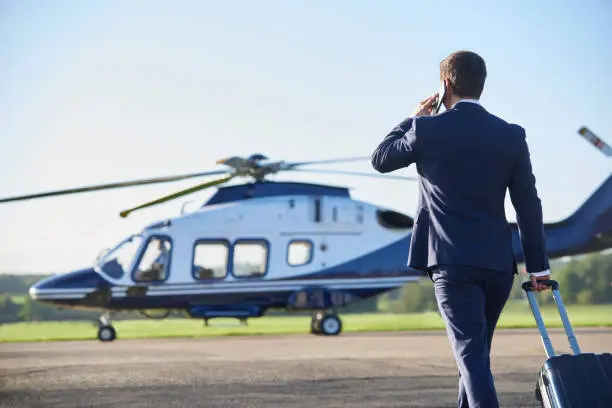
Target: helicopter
(265, 245)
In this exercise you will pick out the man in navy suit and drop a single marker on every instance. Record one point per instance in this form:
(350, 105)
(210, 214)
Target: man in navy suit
(467, 158)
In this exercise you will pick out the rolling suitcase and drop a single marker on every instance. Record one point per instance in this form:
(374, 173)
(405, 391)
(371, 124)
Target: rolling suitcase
(578, 380)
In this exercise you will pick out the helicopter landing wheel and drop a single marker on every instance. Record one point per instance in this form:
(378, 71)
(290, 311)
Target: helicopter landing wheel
(106, 331)
(330, 325)
(327, 324)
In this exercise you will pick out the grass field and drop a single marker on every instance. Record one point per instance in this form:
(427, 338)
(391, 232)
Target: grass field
(514, 316)
(18, 298)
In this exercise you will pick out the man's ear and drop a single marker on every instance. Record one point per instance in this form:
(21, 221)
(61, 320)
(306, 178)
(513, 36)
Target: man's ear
(448, 86)
(447, 93)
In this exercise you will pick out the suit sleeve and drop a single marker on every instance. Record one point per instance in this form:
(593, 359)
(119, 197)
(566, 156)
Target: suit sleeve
(528, 207)
(398, 148)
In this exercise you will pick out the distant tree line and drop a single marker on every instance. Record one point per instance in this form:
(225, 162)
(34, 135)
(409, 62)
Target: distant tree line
(583, 280)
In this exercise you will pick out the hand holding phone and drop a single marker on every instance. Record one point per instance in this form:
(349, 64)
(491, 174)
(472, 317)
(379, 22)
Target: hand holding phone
(431, 105)
(440, 97)
(424, 108)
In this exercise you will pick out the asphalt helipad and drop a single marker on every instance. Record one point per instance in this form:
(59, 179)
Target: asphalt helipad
(352, 370)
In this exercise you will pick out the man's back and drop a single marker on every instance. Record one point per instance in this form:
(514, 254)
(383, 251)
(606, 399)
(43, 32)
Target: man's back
(466, 159)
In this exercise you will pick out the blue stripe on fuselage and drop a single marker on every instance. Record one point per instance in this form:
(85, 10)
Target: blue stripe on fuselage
(264, 299)
(81, 279)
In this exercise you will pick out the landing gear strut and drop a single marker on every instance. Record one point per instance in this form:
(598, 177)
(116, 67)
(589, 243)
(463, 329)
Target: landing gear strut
(327, 324)
(106, 331)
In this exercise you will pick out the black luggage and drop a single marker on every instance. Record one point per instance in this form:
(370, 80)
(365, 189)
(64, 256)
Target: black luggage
(578, 380)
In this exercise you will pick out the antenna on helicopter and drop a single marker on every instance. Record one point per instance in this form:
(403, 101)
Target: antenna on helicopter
(256, 166)
(184, 207)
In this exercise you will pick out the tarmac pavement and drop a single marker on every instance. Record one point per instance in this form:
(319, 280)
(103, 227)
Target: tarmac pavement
(413, 369)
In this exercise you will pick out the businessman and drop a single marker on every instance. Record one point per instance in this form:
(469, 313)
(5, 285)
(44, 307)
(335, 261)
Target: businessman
(467, 158)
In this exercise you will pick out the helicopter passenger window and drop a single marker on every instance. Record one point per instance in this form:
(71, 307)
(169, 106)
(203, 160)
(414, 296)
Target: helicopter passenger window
(210, 260)
(155, 261)
(299, 252)
(250, 259)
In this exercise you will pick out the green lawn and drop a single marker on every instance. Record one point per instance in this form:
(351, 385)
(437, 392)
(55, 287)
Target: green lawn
(18, 298)
(514, 316)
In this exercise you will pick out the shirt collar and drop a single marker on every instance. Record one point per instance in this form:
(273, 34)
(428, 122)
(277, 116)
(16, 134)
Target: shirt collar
(466, 100)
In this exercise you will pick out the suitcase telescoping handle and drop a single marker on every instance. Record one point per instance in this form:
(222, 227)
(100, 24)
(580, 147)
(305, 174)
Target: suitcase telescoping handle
(540, 322)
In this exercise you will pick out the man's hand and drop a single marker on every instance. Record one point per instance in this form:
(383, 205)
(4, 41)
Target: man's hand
(538, 287)
(425, 106)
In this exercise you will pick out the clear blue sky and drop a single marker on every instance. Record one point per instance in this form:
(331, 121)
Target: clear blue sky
(95, 92)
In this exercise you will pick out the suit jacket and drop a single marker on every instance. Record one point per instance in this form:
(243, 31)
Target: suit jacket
(467, 159)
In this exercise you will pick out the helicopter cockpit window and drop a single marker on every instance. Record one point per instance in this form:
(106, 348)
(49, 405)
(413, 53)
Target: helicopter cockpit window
(210, 260)
(116, 263)
(299, 252)
(250, 259)
(155, 261)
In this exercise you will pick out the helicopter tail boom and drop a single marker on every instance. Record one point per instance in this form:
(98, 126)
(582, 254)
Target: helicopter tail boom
(589, 228)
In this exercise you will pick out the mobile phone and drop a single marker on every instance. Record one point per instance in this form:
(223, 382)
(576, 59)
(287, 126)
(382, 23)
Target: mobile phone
(439, 99)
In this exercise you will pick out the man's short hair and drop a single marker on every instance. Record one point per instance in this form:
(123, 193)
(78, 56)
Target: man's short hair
(466, 72)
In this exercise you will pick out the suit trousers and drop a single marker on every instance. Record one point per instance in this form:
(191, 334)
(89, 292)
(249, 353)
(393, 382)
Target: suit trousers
(470, 301)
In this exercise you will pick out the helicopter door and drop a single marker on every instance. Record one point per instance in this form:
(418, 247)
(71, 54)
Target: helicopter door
(154, 262)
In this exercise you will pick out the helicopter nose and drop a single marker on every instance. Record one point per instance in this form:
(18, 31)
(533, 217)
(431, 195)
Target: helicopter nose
(71, 285)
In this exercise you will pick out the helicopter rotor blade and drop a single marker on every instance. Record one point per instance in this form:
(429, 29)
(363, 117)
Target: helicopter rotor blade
(181, 193)
(356, 173)
(599, 144)
(112, 186)
(292, 165)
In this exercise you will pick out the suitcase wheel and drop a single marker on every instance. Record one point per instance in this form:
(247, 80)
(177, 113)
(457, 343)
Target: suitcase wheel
(538, 394)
